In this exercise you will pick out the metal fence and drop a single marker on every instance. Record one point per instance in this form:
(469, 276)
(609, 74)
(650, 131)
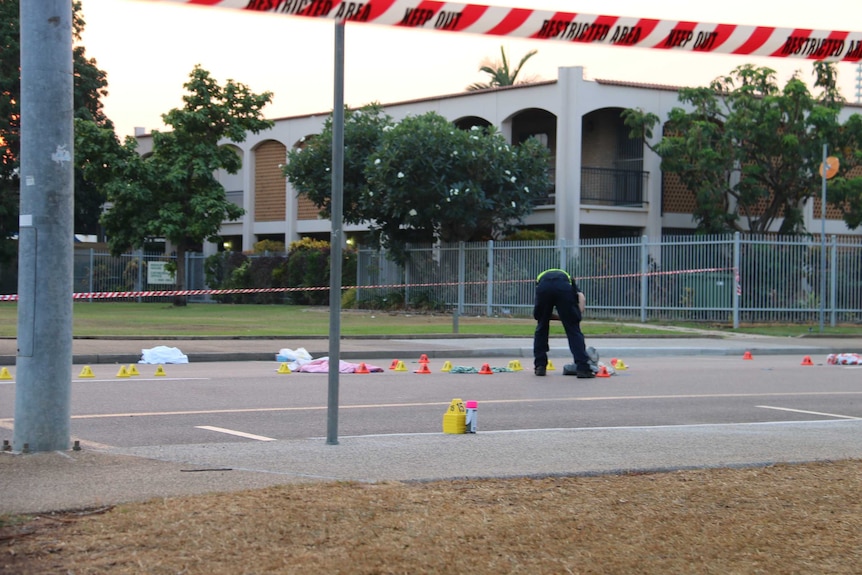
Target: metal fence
(97, 271)
(724, 279)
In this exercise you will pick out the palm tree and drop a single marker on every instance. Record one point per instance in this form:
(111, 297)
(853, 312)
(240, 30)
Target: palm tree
(499, 72)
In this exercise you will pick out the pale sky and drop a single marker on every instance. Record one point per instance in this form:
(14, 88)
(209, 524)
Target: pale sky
(148, 48)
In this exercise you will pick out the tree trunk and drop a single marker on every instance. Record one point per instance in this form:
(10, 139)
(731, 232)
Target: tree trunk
(180, 300)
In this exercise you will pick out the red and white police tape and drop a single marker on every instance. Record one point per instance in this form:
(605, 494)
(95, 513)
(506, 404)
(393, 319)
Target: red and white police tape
(624, 31)
(172, 293)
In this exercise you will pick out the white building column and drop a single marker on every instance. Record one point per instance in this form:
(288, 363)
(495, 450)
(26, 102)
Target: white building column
(652, 165)
(248, 197)
(290, 214)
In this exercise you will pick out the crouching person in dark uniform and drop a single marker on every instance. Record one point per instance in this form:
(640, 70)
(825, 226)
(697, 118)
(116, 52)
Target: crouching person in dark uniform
(555, 288)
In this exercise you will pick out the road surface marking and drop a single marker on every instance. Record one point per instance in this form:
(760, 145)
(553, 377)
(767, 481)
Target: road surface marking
(809, 412)
(233, 432)
(439, 403)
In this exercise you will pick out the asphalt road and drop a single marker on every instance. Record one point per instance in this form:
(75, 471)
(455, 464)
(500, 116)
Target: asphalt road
(248, 402)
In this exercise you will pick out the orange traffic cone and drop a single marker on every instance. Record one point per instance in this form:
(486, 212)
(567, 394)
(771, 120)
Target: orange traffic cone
(423, 368)
(362, 368)
(807, 360)
(614, 361)
(423, 358)
(394, 364)
(603, 372)
(747, 355)
(486, 369)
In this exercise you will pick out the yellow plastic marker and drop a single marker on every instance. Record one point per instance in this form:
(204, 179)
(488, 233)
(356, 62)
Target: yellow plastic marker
(455, 418)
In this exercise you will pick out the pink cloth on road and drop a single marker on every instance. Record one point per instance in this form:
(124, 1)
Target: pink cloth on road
(322, 366)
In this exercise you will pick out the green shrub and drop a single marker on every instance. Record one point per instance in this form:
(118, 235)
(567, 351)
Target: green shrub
(269, 246)
(348, 298)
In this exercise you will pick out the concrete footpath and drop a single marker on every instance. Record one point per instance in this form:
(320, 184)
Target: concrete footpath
(44, 482)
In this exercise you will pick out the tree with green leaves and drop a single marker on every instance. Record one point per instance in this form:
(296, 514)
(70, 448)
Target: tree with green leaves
(309, 165)
(173, 193)
(423, 179)
(500, 73)
(845, 189)
(747, 148)
(90, 86)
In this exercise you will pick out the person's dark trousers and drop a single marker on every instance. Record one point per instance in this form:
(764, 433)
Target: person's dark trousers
(555, 291)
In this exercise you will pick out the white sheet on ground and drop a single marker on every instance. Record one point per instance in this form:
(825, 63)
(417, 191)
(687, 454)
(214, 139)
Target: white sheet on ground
(163, 354)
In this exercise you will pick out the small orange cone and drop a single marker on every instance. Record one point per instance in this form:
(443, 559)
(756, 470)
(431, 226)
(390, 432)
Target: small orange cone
(614, 361)
(486, 369)
(807, 360)
(423, 369)
(747, 355)
(394, 364)
(423, 358)
(603, 372)
(362, 368)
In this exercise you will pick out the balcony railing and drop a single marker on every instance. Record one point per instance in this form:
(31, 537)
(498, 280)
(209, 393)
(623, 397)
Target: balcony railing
(610, 187)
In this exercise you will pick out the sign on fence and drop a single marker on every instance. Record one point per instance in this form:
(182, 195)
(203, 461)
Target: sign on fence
(157, 273)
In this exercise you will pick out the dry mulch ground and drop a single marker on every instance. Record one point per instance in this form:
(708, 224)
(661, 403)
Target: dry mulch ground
(781, 519)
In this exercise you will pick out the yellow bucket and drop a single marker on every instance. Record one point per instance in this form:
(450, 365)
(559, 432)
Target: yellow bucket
(455, 418)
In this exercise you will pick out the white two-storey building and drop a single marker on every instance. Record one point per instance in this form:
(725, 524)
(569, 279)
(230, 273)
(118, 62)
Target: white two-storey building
(605, 184)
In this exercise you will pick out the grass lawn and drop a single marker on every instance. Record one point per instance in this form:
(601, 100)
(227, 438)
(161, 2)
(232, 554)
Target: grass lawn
(161, 319)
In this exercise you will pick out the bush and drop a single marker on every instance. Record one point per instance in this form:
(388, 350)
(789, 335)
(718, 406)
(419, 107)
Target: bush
(269, 246)
(308, 267)
(348, 298)
(530, 235)
(305, 266)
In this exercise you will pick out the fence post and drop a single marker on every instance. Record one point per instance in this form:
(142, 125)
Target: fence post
(562, 248)
(92, 263)
(462, 267)
(644, 277)
(737, 279)
(490, 289)
(408, 279)
(139, 253)
(833, 278)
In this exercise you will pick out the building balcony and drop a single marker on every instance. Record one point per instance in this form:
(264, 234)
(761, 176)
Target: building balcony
(611, 187)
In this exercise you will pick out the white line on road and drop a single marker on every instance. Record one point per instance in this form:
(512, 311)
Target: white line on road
(135, 378)
(237, 433)
(809, 412)
(438, 403)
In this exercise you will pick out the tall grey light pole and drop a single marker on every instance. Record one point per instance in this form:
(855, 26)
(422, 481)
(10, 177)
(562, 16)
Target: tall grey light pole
(336, 237)
(824, 168)
(44, 363)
